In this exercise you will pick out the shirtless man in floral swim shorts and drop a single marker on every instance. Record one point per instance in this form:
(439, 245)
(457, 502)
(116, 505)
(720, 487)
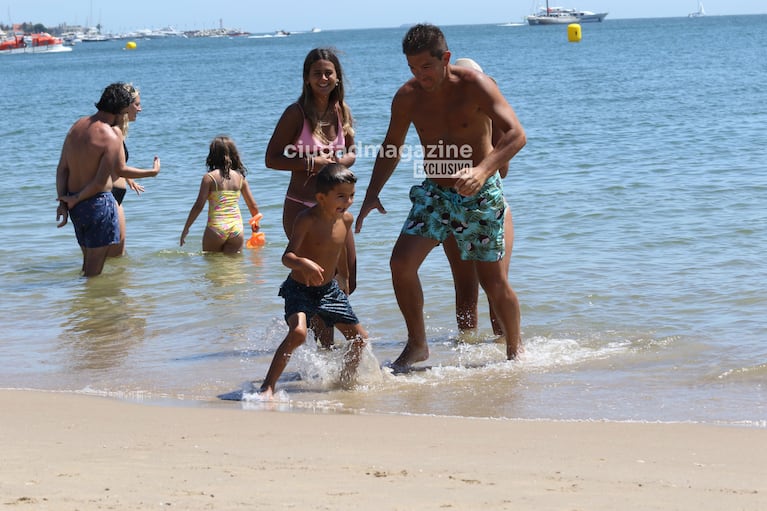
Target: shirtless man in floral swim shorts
(453, 110)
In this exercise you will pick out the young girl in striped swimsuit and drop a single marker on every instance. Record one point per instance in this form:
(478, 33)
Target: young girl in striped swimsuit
(221, 187)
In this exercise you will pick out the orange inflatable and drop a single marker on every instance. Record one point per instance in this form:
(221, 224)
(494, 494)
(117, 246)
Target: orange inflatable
(258, 239)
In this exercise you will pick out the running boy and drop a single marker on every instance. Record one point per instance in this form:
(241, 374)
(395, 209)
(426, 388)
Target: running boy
(319, 278)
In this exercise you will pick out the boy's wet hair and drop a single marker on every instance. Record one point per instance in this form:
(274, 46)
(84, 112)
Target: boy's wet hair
(424, 37)
(114, 99)
(332, 175)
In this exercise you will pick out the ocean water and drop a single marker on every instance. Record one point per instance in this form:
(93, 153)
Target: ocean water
(640, 207)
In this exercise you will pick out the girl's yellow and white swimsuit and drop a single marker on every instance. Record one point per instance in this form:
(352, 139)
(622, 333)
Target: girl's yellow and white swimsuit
(224, 217)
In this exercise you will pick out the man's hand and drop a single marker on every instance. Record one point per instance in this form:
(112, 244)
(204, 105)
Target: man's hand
(62, 212)
(69, 201)
(469, 182)
(365, 209)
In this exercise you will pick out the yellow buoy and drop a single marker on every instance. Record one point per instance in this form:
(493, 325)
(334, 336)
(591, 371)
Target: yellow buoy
(130, 45)
(574, 33)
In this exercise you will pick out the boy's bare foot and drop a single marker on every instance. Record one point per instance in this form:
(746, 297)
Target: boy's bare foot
(348, 378)
(351, 362)
(266, 392)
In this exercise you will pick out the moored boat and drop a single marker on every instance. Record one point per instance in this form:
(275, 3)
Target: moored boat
(41, 42)
(588, 16)
(562, 16)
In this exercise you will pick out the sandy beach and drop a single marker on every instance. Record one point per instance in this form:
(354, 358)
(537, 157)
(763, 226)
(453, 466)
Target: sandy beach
(73, 452)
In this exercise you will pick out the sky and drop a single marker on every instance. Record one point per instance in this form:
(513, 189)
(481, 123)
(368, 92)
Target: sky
(260, 16)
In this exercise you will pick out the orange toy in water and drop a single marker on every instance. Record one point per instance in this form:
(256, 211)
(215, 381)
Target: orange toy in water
(259, 238)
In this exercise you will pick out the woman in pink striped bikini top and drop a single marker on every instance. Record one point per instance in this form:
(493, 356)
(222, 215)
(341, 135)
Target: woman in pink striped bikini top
(310, 143)
(314, 131)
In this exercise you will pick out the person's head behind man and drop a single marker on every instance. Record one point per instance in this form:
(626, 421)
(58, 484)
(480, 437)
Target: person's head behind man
(115, 99)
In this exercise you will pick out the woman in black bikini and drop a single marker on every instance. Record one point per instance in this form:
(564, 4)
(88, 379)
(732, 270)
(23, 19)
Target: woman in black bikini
(120, 184)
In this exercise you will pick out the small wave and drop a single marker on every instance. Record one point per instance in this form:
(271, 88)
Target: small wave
(281, 401)
(753, 373)
(201, 357)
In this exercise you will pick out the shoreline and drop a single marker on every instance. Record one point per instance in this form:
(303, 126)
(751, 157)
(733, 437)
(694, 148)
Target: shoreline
(66, 451)
(235, 402)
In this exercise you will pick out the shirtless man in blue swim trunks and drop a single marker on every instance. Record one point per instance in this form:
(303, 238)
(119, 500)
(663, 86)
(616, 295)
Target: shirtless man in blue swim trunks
(91, 151)
(461, 195)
